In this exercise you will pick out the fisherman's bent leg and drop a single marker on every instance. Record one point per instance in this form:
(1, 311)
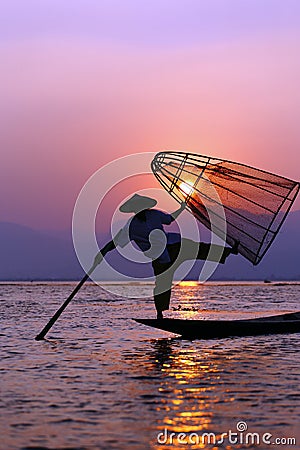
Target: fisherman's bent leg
(200, 250)
(213, 252)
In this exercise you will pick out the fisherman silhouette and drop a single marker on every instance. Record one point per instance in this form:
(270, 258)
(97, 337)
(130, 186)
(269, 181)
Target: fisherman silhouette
(167, 251)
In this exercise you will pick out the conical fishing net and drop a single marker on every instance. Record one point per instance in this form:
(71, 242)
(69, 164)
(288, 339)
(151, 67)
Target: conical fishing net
(235, 201)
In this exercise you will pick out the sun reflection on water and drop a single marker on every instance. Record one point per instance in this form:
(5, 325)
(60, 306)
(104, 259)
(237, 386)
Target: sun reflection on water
(188, 283)
(191, 401)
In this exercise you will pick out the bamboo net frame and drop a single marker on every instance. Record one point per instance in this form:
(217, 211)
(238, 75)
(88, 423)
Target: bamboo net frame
(255, 202)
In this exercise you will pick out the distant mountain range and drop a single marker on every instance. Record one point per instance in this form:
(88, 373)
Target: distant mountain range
(27, 254)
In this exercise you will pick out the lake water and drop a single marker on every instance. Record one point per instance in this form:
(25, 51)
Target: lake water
(102, 381)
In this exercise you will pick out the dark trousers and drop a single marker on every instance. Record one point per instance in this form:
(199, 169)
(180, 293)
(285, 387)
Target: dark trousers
(182, 251)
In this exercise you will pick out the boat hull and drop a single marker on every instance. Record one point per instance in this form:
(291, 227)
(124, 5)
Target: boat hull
(208, 329)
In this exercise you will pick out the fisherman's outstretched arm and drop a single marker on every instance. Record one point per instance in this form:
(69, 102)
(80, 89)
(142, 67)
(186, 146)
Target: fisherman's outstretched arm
(111, 245)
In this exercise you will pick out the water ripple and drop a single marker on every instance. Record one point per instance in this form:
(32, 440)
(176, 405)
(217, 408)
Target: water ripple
(102, 381)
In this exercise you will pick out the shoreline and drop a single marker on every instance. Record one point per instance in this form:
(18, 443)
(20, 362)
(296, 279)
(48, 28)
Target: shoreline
(185, 283)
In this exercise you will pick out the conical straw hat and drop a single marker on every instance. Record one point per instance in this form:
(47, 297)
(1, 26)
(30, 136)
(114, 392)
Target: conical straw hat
(137, 203)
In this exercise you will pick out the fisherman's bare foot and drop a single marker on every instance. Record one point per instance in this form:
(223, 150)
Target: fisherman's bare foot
(235, 248)
(159, 315)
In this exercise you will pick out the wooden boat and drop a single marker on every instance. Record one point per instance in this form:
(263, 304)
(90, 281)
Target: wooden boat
(208, 329)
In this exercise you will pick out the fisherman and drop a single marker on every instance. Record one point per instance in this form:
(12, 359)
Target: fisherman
(167, 251)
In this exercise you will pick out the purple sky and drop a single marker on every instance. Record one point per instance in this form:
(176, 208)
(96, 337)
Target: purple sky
(85, 82)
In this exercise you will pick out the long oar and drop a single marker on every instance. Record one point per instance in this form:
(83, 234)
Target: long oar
(53, 319)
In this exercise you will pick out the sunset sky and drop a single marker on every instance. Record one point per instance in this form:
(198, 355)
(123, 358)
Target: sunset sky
(86, 81)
